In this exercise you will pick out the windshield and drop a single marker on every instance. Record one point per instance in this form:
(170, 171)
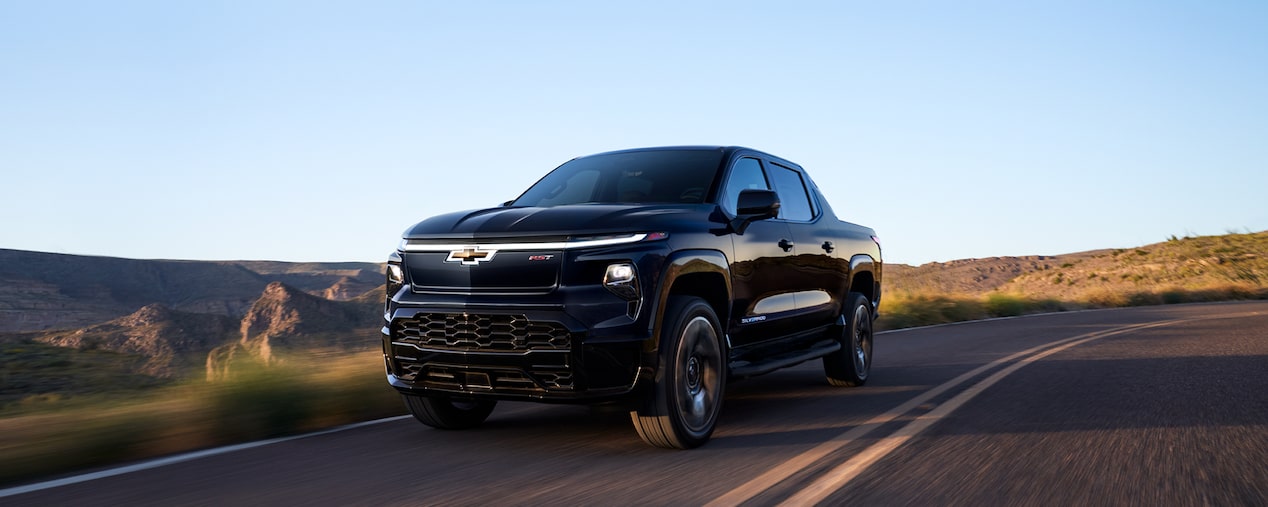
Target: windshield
(653, 177)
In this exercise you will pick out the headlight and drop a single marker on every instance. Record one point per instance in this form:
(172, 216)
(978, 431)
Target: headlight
(622, 280)
(395, 281)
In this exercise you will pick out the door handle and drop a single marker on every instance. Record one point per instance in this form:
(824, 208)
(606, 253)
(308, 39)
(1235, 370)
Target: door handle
(827, 246)
(786, 245)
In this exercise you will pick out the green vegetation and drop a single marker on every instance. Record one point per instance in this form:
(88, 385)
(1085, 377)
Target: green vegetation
(34, 376)
(300, 395)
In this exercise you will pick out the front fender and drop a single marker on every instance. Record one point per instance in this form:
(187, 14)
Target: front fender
(709, 276)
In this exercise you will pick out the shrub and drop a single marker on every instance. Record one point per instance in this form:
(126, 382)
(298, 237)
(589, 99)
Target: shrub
(1143, 299)
(1004, 305)
(1174, 296)
(259, 402)
(905, 310)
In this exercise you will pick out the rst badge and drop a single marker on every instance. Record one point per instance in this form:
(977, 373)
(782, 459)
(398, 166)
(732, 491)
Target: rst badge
(470, 256)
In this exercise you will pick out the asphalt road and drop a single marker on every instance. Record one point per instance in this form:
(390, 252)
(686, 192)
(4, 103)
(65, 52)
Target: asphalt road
(1144, 406)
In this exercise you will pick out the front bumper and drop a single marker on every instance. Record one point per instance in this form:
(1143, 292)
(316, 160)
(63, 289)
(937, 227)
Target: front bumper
(508, 351)
(504, 338)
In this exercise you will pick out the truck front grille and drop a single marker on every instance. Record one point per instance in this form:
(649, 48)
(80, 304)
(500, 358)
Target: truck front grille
(532, 379)
(480, 332)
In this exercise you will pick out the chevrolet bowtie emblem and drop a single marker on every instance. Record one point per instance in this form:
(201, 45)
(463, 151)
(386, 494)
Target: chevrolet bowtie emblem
(470, 256)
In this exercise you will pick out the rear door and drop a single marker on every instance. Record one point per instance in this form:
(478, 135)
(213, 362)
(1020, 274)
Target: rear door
(814, 273)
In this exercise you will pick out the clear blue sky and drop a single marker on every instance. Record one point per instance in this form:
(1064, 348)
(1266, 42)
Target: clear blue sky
(317, 131)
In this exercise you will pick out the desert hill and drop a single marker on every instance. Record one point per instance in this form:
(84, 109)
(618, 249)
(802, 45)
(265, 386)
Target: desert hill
(964, 277)
(73, 326)
(285, 320)
(168, 342)
(157, 345)
(282, 321)
(45, 291)
(1176, 265)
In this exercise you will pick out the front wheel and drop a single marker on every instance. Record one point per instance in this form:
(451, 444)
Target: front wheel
(448, 413)
(850, 366)
(682, 405)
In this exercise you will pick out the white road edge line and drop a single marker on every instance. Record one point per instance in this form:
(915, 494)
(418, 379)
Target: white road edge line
(838, 477)
(777, 474)
(180, 458)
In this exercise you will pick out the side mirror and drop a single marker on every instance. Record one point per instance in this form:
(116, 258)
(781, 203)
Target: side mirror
(758, 204)
(507, 203)
(754, 205)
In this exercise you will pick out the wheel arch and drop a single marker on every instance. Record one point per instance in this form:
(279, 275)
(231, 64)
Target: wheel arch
(865, 278)
(699, 273)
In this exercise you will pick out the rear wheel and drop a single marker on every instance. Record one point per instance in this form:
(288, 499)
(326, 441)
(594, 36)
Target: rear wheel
(850, 366)
(681, 408)
(448, 413)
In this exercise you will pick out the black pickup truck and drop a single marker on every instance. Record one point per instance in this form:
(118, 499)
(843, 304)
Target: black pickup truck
(651, 276)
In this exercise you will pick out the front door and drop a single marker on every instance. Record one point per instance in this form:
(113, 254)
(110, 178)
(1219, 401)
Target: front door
(760, 265)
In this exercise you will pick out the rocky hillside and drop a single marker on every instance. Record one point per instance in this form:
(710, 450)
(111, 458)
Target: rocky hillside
(282, 321)
(285, 320)
(340, 281)
(1179, 264)
(157, 345)
(89, 326)
(44, 291)
(964, 277)
(168, 343)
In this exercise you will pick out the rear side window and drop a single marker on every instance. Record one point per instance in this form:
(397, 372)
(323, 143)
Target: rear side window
(793, 198)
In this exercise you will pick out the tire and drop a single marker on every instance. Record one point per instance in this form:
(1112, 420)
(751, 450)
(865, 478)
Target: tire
(850, 366)
(681, 407)
(448, 413)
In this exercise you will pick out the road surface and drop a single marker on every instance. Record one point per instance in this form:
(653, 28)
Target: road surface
(1142, 406)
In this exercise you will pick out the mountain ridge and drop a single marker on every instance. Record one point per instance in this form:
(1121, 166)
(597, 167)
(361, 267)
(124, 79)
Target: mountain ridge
(42, 291)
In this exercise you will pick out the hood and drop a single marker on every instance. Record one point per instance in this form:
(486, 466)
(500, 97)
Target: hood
(562, 221)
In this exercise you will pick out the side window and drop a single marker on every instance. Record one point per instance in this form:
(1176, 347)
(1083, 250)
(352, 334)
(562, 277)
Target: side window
(745, 174)
(793, 198)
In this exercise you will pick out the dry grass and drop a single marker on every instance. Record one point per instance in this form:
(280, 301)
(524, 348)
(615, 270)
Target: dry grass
(904, 310)
(303, 395)
(1179, 270)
